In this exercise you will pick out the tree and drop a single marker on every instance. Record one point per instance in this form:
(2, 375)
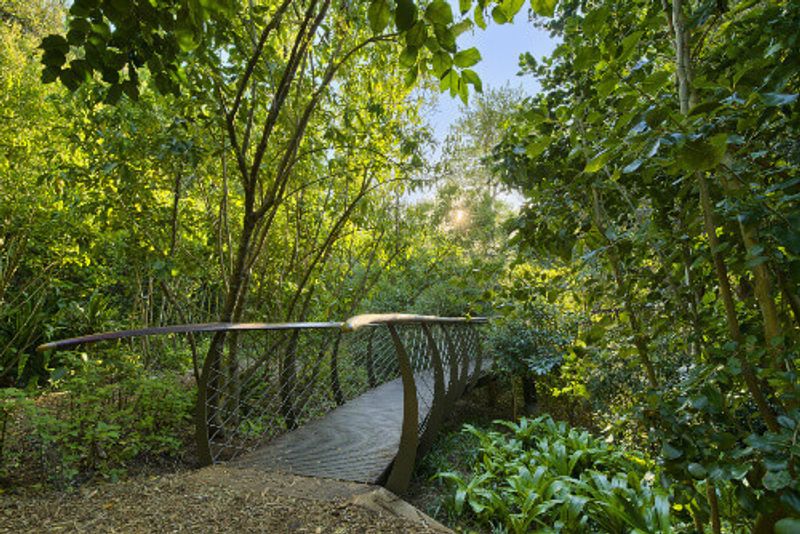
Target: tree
(651, 176)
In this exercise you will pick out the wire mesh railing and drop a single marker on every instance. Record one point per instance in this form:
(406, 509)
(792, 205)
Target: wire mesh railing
(257, 381)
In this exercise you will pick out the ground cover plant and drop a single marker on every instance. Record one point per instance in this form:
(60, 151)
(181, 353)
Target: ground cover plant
(541, 475)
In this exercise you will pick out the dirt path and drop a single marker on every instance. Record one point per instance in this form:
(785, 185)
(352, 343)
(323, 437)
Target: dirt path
(215, 499)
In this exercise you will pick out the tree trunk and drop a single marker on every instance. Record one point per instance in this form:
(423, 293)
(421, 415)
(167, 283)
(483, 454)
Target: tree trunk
(685, 97)
(529, 394)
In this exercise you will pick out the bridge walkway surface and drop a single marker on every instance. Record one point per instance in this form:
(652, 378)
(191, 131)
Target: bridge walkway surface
(357, 441)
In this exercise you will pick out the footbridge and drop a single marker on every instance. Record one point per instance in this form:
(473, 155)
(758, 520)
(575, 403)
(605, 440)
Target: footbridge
(357, 400)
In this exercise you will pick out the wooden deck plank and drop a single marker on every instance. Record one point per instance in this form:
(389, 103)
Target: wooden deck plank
(357, 441)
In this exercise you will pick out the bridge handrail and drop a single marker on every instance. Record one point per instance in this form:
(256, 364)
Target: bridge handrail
(350, 325)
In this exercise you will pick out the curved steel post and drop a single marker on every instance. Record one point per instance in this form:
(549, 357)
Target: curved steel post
(476, 373)
(452, 360)
(403, 465)
(204, 455)
(457, 376)
(436, 414)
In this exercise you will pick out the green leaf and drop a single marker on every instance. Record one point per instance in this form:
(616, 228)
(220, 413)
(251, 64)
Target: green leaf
(461, 27)
(597, 162)
(379, 14)
(186, 38)
(69, 79)
(405, 15)
(464, 5)
(50, 74)
(655, 81)
(439, 12)
(629, 45)
(478, 16)
(778, 99)
(775, 480)
(417, 35)
(544, 8)
(467, 58)
(704, 107)
(445, 37)
(408, 57)
(53, 58)
(697, 471)
(536, 147)
(471, 77)
(113, 95)
(55, 42)
(410, 76)
(670, 453)
(499, 15)
(440, 62)
(632, 166)
(787, 525)
(701, 155)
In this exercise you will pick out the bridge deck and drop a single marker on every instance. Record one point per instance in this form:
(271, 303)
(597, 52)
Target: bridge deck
(357, 441)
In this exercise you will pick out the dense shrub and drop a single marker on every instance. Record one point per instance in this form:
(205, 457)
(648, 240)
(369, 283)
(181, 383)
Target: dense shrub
(102, 418)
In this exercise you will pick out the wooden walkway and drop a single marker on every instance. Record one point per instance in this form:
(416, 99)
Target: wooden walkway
(357, 441)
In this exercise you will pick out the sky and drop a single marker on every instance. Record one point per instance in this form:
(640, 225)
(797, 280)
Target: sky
(500, 46)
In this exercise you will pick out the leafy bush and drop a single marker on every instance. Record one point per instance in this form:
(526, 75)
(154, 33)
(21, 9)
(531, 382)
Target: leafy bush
(106, 416)
(546, 476)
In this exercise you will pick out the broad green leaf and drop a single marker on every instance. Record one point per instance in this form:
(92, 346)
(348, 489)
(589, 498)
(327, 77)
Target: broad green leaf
(461, 27)
(56, 43)
(445, 37)
(439, 12)
(787, 525)
(409, 56)
(778, 99)
(697, 471)
(441, 62)
(471, 77)
(53, 58)
(704, 107)
(545, 8)
(410, 76)
(464, 5)
(597, 162)
(379, 13)
(670, 453)
(776, 480)
(417, 35)
(701, 154)
(478, 16)
(536, 147)
(629, 45)
(405, 15)
(186, 37)
(467, 58)
(653, 83)
(50, 74)
(499, 15)
(632, 166)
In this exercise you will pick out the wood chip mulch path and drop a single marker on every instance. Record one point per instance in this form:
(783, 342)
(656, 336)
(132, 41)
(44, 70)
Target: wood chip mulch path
(216, 499)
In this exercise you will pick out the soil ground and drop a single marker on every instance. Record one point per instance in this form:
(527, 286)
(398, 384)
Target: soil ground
(214, 499)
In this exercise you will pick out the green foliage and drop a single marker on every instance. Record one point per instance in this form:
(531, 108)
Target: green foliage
(105, 416)
(528, 339)
(660, 187)
(545, 476)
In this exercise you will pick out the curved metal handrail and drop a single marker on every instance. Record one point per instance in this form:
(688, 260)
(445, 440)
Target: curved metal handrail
(181, 329)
